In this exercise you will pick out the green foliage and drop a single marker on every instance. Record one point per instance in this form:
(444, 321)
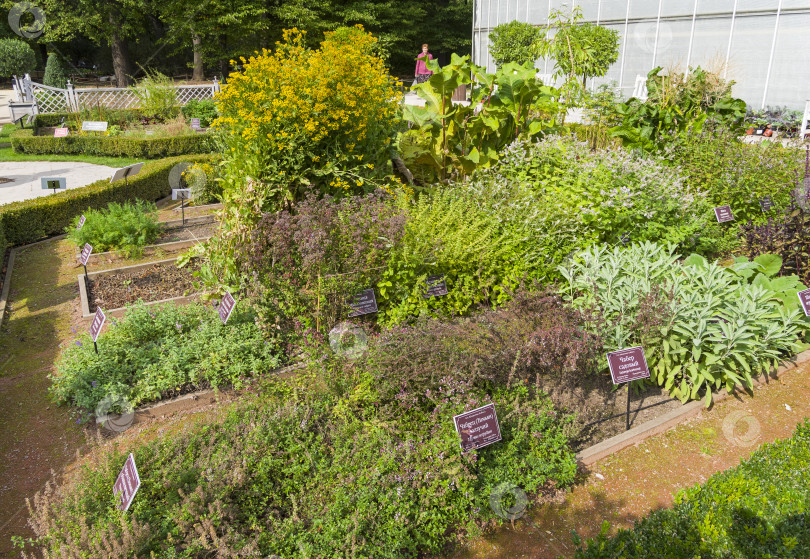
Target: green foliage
(157, 352)
(718, 329)
(786, 234)
(149, 147)
(678, 105)
(716, 164)
(157, 95)
(452, 233)
(17, 58)
(55, 75)
(115, 117)
(205, 110)
(757, 509)
(585, 50)
(514, 105)
(32, 220)
(127, 227)
(514, 42)
(326, 465)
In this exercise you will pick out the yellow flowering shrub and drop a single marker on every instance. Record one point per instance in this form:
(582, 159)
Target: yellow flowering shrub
(298, 118)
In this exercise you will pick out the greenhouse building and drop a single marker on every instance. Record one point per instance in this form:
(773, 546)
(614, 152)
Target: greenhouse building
(760, 44)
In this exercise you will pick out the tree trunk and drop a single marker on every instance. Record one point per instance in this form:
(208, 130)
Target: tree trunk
(120, 55)
(197, 74)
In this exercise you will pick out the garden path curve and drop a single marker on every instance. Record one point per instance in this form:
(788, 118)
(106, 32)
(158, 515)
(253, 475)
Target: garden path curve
(25, 177)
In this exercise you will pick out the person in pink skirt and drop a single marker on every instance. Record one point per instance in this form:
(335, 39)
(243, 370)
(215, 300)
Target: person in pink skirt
(421, 73)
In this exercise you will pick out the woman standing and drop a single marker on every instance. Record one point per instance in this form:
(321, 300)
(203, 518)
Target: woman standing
(421, 73)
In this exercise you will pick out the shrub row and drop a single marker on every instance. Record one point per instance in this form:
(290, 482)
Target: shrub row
(758, 509)
(24, 141)
(32, 220)
(116, 117)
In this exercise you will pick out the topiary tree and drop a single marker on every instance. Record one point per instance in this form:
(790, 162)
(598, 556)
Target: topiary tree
(16, 58)
(514, 42)
(55, 75)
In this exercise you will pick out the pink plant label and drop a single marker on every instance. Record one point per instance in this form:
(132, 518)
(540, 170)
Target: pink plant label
(85, 255)
(225, 307)
(804, 299)
(364, 302)
(723, 214)
(82, 219)
(127, 483)
(478, 428)
(195, 124)
(627, 365)
(60, 132)
(98, 322)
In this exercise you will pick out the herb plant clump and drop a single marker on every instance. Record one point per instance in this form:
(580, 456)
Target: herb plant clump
(321, 465)
(719, 327)
(127, 227)
(159, 352)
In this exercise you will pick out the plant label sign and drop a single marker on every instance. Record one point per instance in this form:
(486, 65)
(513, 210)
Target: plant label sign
(181, 193)
(364, 302)
(765, 203)
(98, 322)
(53, 183)
(478, 428)
(85, 255)
(628, 365)
(195, 124)
(94, 126)
(225, 307)
(60, 132)
(81, 222)
(435, 286)
(127, 483)
(804, 299)
(723, 214)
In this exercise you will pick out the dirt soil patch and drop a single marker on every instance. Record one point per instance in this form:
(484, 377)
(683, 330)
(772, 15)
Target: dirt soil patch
(158, 282)
(187, 233)
(594, 399)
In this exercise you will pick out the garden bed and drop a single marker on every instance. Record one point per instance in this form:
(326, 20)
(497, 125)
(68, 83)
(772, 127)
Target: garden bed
(174, 238)
(153, 283)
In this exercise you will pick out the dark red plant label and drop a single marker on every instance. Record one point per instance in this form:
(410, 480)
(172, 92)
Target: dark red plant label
(364, 302)
(766, 203)
(225, 307)
(723, 214)
(804, 299)
(435, 286)
(85, 255)
(127, 483)
(478, 428)
(98, 322)
(628, 364)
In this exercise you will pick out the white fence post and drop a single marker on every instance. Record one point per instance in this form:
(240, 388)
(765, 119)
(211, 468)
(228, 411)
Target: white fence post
(805, 118)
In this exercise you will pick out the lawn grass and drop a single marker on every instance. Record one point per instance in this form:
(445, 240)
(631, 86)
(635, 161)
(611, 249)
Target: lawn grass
(6, 130)
(7, 154)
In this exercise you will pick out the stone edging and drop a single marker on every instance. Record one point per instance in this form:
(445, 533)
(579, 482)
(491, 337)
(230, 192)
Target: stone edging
(601, 450)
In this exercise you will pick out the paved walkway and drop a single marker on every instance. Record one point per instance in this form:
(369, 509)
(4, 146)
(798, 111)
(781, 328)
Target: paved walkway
(25, 177)
(6, 95)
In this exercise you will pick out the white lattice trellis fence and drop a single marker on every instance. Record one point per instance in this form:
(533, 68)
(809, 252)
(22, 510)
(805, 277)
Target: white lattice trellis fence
(54, 100)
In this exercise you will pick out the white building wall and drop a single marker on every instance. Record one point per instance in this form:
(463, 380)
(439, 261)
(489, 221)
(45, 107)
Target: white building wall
(763, 45)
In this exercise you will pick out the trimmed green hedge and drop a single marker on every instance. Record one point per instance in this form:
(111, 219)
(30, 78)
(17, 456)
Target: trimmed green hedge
(117, 117)
(758, 509)
(32, 220)
(24, 141)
